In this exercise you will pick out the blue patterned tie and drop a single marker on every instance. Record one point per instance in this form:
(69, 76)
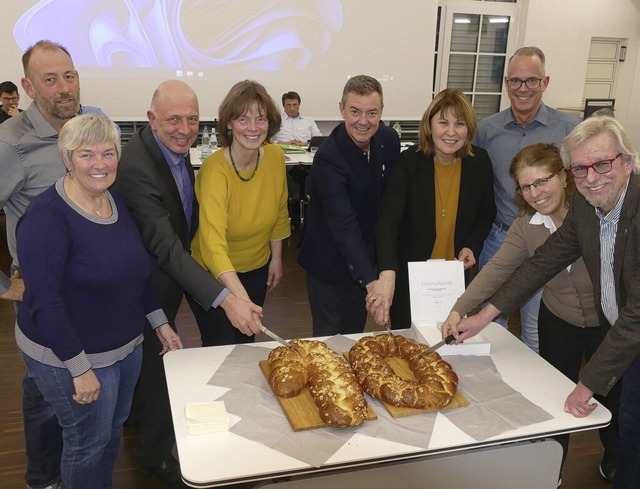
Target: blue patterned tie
(186, 191)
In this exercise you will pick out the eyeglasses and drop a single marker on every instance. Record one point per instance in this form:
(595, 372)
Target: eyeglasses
(516, 83)
(540, 182)
(10, 99)
(601, 167)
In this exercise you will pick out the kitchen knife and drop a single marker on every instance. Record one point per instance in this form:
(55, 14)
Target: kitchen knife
(446, 341)
(387, 326)
(270, 333)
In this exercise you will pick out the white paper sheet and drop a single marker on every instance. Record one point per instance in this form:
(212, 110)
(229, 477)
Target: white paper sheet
(434, 286)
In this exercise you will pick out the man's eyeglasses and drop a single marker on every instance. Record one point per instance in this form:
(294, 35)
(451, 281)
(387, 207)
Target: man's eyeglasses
(540, 182)
(601, 167)
(10, 99)
(516, 83)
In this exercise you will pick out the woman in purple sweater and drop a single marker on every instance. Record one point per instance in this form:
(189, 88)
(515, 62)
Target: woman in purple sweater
(87, 295)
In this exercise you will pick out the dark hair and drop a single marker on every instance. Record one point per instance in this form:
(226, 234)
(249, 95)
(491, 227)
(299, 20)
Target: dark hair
(236, 103)
(540, 155)
(457, 102)
(362, 85)
(291, 96)
(8, 87)
(44, 45)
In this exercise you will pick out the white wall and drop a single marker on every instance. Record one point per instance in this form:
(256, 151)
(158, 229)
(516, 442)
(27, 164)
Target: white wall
(563, 30)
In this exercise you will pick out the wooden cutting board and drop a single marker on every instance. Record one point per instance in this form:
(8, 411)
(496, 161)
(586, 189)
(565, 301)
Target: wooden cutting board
(401, 368)
(301, 411)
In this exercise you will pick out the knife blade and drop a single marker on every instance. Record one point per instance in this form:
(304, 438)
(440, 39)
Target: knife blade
(271, 334)
(446, 341)
(387, 326)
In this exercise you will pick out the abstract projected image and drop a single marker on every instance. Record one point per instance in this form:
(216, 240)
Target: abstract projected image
(186, 35)
(126, 47)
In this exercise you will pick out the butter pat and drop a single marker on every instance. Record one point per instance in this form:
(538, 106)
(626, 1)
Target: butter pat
(206, 417)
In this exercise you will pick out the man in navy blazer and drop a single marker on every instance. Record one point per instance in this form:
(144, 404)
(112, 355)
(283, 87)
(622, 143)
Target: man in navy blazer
(348, 176)
(602, 226)
(155, 179)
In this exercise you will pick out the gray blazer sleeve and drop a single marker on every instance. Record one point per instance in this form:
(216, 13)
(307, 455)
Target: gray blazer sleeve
(150, 198)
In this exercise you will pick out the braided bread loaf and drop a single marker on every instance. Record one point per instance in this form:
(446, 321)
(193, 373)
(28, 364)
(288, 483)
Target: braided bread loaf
(333, 385)
(436, 381)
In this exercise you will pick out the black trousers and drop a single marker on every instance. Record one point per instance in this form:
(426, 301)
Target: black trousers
(151, 411)
(565, 346)
(215, 327)
(336, 309)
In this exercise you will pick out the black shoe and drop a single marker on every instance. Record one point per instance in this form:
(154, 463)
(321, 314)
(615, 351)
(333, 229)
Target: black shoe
(608, 465)
(168, 470)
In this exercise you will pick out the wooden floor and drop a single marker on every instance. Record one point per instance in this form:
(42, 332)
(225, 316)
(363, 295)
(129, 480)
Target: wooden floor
(286, 312)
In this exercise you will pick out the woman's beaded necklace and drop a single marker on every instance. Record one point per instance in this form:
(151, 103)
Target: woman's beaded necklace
(233, 163)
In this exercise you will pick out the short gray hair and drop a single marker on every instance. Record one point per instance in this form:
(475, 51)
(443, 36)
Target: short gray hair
(590, 128)
(529, 51)
(87, 129)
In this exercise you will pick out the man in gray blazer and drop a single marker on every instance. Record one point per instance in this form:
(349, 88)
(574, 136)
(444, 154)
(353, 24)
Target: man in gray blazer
(155, 179)
(602, 226)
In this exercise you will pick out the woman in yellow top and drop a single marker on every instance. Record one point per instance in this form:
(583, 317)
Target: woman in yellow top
(242, 193)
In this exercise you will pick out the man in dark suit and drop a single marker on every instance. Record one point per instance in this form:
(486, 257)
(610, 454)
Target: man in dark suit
(348, 176)
(155, 178)
(599, 155)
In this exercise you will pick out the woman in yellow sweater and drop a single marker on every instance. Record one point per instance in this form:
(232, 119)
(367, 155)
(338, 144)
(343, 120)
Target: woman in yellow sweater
(242, 193)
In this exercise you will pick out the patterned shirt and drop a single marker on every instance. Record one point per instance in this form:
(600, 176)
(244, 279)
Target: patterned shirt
(608, 230)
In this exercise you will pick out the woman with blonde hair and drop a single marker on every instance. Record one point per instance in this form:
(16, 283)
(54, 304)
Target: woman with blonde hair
(438, 204)
(87, 295)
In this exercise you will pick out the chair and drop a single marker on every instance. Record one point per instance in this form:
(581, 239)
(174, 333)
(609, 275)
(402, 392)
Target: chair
(299, 175)
(593, 104)
(315, 143)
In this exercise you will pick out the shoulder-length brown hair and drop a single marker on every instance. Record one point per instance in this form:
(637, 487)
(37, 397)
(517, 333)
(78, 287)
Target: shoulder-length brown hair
(458, 103)
(236, 103)
(540, 155)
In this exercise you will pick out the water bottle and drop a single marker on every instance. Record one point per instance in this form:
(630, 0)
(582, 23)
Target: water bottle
(205, 143)
(213, 140)
(206, 137)
(398, 129)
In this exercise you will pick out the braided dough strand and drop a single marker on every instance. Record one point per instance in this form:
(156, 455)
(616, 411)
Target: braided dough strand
(436, 382)
(332, 383)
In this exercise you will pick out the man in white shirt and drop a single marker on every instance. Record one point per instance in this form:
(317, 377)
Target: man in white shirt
(295, 128)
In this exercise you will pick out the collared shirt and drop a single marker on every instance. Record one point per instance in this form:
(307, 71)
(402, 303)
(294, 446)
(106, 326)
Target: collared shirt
(502, 137)
(297, 128)
(546, 221)
(29, 164)
(173, 160)
(608, 230)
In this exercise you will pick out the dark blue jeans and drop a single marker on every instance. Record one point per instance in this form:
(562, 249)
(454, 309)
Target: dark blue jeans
(628, 470)
(91, 433)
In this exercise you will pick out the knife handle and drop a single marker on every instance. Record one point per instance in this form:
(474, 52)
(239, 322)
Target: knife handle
(449, 339)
